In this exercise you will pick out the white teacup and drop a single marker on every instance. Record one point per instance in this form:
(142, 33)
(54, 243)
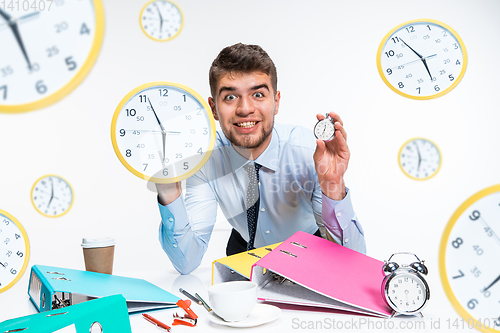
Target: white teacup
(233, 301)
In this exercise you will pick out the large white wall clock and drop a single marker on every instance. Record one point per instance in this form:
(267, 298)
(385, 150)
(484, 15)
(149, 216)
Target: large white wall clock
(468, 260)
(15, 250)
(419, 158)
(46, 51)
(422, 59)
(163, 132)
(161, 20)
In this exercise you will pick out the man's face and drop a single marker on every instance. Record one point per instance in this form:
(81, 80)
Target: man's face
(245, 106)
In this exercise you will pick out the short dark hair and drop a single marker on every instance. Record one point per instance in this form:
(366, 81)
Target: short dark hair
(241, 58)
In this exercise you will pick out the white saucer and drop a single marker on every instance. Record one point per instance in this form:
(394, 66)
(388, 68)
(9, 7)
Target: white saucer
(261, 314)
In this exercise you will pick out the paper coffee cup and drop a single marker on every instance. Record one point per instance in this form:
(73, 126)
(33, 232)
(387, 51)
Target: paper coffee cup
(98, 254)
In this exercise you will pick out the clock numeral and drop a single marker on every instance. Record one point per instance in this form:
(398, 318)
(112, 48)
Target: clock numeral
(475, 215)
(177, 108)
(165, 172)
(410, 29)
(131, 112)
(418, 88)
(188, 145)
(401, 85)
(70, 63)
(17, 236)
(41, 87)
(145, 166)
(186, 166)
(84, 29)
(395, 39)
(184, 96)
(6, 221)
(446, 61)
(205, 130)
(61, 27)
(426, 37)
(20, 254)
(436, 87)
(35, 67)
(389, 71)
(478, 250)
(52, 51)
(200, 151)
(438, 41)
(457, 242)
(4, 88)
(6, 241)
(390, 53)
(143, 98)
(13, 271)
(178, 155)
(128, 153)
(6, 71)
(475, 271)
(188, 117)
(472, 303)
(122, 132)
(488, 231)
(429, 27)
(164, 92)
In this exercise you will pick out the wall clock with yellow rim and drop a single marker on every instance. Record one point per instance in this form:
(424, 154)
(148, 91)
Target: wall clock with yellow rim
(422, 59)
(46, 51)
(163, 132)
(15, 253)
(161, 20)
(52, 196)
(419, 158)
(469, 254)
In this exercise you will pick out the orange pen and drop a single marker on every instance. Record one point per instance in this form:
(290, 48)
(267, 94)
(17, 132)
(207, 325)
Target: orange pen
(156, 322)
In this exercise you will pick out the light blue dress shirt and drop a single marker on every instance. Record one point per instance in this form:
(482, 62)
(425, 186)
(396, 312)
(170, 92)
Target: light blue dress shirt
(290, 200)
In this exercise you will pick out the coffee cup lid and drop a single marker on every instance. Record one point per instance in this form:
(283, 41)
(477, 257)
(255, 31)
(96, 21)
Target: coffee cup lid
(91, 242)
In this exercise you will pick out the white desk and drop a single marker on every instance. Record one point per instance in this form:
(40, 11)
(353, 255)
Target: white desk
(438, 317)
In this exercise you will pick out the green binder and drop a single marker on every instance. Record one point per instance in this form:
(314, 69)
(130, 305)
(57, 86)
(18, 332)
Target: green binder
(107, 314)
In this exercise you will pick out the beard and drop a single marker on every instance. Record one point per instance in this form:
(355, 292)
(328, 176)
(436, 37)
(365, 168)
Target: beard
(249, 141)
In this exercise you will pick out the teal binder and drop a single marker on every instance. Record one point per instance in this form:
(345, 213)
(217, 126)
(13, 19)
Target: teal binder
(53, 287)
(106, 314)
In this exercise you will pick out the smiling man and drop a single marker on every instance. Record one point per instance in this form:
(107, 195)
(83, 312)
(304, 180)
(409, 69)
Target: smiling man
(270, 180)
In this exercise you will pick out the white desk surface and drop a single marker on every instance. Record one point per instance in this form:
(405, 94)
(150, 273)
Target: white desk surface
(15, 303)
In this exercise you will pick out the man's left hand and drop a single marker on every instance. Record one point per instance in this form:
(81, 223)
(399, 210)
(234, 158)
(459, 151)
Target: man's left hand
(331, 159)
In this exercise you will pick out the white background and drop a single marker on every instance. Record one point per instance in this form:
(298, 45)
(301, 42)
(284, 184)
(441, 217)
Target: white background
(325, 53)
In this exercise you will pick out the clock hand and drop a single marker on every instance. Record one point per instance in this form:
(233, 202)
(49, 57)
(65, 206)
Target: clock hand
(15, 30)
(2, 264)
(156, 116)
(161, 18)
(421, 58)
(419, 157)
(51, 194)
(491, 284)
(24, 17)
(414, 61)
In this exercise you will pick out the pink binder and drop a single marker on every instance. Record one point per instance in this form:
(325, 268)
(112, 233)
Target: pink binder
(311, 271)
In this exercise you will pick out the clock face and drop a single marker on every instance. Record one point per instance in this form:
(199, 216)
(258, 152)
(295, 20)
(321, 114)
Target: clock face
(420, 159)
(406, 292)
(468, 257)
(422, 59)
(15, 252)
(163, 132)
(161, 20)
(324, 130)
(52, 196)
(46, 52)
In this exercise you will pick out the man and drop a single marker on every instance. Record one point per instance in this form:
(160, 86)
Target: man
(300, 179)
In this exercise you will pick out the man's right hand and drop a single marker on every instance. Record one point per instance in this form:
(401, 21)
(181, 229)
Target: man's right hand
(168, 193)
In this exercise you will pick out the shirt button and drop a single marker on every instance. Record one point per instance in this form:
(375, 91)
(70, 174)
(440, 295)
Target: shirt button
(259, 183)
(262, 209)
(339, 214)
(171, 219)
(174, 245)
(268, 231)
(346, 240)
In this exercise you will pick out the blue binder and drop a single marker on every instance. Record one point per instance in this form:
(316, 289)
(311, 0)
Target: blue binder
(107, 314)
(53, 288)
